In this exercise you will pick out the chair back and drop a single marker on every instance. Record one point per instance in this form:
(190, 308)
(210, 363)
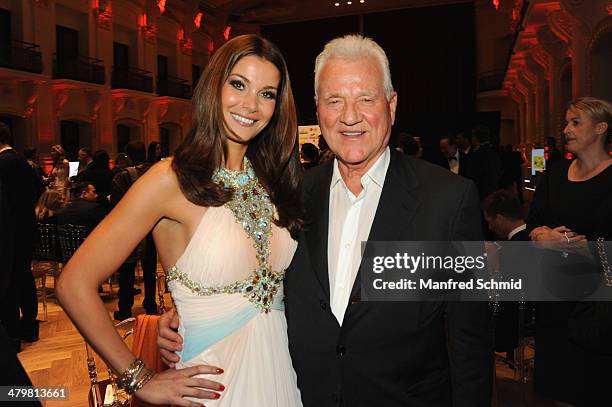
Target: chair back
(70, 238)
(45, 243)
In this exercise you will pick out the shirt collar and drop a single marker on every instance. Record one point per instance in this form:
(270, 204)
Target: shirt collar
(516, 230)
(376, 173)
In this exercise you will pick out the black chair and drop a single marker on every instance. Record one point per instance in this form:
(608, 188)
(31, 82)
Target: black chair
(45, 259)
(70, 238)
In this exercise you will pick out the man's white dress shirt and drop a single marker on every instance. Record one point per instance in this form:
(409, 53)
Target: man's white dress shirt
(454, 164)
(350, 221)
(516, 230)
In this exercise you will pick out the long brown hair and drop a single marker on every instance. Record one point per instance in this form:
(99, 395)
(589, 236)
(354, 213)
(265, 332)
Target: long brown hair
(273, 153)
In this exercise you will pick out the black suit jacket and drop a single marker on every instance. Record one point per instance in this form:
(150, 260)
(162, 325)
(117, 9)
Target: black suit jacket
(82, 212)
(463, 164)
(20, 185)
(385, 353)
(484, 168)
(522, 236)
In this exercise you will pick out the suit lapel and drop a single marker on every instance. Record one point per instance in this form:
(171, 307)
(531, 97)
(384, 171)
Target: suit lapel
(396, 208)
(317, 225)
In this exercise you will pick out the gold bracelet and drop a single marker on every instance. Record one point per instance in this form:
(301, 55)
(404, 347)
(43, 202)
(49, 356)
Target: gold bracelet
(143, 379)
(127, 379)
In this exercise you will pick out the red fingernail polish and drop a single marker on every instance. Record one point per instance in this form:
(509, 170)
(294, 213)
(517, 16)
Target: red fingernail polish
(217, 395)
(221, 387)
(219, 370)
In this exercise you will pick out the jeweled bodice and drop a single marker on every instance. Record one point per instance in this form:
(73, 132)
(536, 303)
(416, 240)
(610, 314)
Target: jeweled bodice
(253, 211)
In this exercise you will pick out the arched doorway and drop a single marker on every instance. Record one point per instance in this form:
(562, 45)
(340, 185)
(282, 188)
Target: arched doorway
(125, 133)
(170, 136)
(17, 125)
(601, 66)
(75, 134)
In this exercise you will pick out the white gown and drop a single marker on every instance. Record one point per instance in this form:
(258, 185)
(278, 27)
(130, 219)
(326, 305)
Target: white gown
(227, 330)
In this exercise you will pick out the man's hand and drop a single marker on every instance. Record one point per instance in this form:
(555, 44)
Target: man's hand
(168, 340)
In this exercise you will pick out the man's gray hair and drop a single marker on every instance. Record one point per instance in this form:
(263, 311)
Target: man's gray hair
(354, 47)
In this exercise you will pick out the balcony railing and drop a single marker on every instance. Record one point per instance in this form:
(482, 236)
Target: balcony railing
(80, 68)
(23, 56)
(176, 87)
(491, 80)
(133, 78)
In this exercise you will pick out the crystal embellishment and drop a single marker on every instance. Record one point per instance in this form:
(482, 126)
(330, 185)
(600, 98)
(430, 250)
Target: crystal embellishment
(253, 210)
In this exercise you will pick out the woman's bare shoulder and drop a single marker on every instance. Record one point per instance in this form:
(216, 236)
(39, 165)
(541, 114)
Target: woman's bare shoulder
(161, 180)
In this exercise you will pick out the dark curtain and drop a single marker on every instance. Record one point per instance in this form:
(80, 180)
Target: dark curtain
(432, 53)
(300, 43)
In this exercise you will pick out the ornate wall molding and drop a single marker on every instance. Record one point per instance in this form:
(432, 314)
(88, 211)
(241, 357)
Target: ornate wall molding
(560, 24)
(62, 95)
(551, 43)
(150, 34)
(144, 107)
(603, 28)
(119, 103)
(30, 97)
(162, 110)
(515, 14)
(187, 46)
(94, 100)
(44, 4)
(104, 14)
(540, 56)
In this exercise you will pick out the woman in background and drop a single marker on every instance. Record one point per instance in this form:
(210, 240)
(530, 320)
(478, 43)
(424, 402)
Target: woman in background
(154, 152)
(48, 204)
(572, 206)
(58, 177)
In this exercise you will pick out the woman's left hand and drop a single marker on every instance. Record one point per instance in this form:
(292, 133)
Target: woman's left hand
(561, 239)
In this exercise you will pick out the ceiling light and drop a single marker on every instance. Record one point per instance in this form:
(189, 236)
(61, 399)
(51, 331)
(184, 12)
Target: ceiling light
(349, 2)
(336, 4)
(362, 1)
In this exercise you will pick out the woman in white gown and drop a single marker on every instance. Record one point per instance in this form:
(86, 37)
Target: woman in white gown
(224, 212)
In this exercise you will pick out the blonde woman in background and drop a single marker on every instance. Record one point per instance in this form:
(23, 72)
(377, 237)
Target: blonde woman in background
(572, 206)
(58, 178)
(48, 204)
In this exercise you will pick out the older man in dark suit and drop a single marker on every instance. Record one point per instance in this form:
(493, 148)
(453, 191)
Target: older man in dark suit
(353, 353)
(19, 183)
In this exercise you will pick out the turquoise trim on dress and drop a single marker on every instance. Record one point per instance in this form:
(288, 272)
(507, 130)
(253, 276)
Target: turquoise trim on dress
(204, 334)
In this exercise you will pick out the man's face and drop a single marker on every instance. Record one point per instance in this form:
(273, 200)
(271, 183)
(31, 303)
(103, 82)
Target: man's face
(89, 194)
(462, 141)
(447, 149)
(83, 157)
(354, 114)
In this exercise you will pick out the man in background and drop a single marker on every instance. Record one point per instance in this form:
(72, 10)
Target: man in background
(85, 157)
(484, 164)
(456, 160)
(146, 251)
(19, 182)
(83, 209)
